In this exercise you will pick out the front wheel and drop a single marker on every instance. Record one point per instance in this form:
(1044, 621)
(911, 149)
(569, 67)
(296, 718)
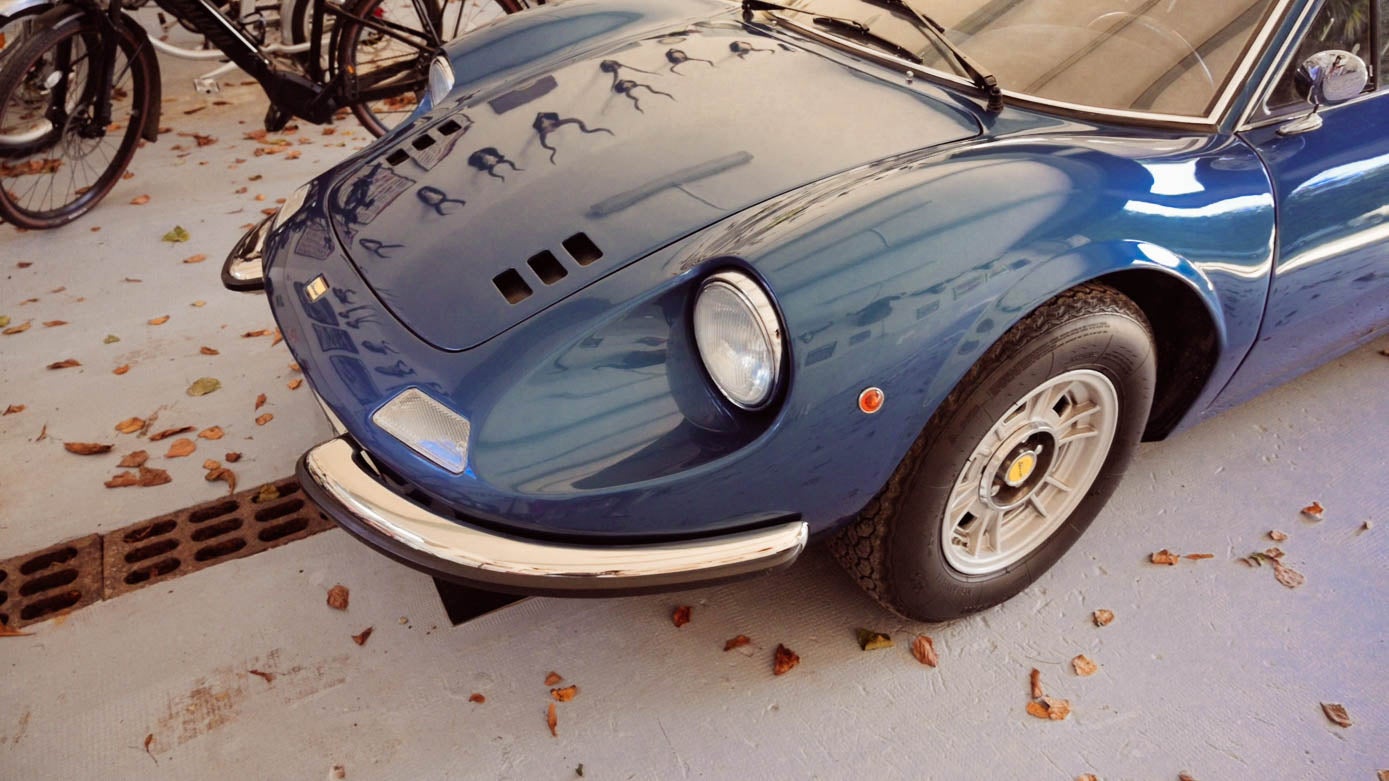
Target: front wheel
(56, 161)
(1014, 464)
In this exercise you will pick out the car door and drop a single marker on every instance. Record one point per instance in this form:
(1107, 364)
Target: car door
(1330, 288)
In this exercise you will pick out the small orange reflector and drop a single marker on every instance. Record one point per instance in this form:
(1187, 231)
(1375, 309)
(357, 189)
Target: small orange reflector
(871, 400)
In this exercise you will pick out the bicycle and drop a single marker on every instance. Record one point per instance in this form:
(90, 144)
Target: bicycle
(81, 90)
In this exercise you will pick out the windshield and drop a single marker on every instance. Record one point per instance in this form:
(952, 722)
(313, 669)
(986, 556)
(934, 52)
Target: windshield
(1159, 56)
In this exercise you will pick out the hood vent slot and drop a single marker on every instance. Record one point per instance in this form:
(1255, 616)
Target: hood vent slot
(512, 287)
(547, 267)
(397, 157)
(582, 249)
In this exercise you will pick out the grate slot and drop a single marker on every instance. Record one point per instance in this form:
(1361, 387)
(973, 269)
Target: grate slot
(51, 580)
(547, 267)
(215, 530)
(278, 530)
(152, 571)
(208, 512)
(152, 530)
(220, 549)
(150, 551)
(512, 287)
(48, 582)
(45, 560)
(279, 511)
(582, 249)
(50, 605)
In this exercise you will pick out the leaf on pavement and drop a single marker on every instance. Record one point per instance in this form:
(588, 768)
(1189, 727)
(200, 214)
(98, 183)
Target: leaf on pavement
(1337, 713)
(869, 640)
(1035, 680)
(477, 697)
(253, 334)
(122, 369)
(924, 649)
(1083, 666)
(784, 660)
(170, 432)
(130, 425)
(1165, 556)
(161, 320)
(205, 350)
(680, 616)
(1314, 511)
(54, 323)
(132, 460)
(260, 401)
(737, 641)
(1198, 556)
(181, 447)
(225, 475)
(1277, 536)
(17, 329)
(198, 258)
(123, 480)
(232, 457)
(1287, 575)
(552, 720)
(177, 234)
(267, 493)
(6, 631)
(151, 477)
(110, 339)
(140, 200)
(267, 677)
(295, 383)
(361, 637)
(553, 678)
(1049, 708)
(338, 597)
(565, 694)
(203, 386)
(266, 418)
(1103, 617)
(13, 409)
(212, 432)
(86, 448)
(66, 363)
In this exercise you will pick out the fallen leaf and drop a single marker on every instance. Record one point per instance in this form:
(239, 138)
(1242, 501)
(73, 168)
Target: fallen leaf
(1314, 511)
(566, 694)
(553, 678)
(1366, 526)
(1337, 713)
(43, 433)
(339, 772)
(130, 425)
(203, 386)
(294, 367)
(176, 235)
(54, 323)
(476, 697)
(199, 303)
(181, 447)
(737, 642)
(4, 320)
(210, 465)
(869, 640)
(110, 339)
(1049, 708)
(1165, 556)
(361, 637)
(1382, 775)
(225, 475)
(17, 329)
(123, 480)
(337, 597)
(140, 200)
(925, 651)
(681, 616)
(1287, 575)
(86, 448)
(1083, 666)
(152, 477)
(552, 720)
(267, 493)
(253, 334)
(6, 631)
(134, 459)
(260, 401)
(148, 740)
(269, 677)
(232, 457)
(122, 369)
(1103, 617)
(211, 432)
(66, 363)
(208, 351)
(1088, 777)
(170, 432)
(1274, 553)
(161, 320)
(295, 383)
(266, 418)
(784, 660)
(1035, 679)
(13, 409)
(279, 337)
(1199, 556)
(1277, 536)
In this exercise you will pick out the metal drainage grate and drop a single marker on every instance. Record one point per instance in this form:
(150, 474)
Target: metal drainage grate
(61, 578)
(195, 538)
(39, 585)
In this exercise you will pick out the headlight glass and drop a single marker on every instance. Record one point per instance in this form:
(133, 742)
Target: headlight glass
(292, 204)
(440, 79)
(428, 427)
(739, 338)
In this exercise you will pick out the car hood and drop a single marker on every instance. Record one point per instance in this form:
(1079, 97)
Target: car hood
(510, 196)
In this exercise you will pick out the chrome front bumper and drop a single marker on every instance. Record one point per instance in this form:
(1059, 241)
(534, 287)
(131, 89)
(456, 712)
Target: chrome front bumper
(334, 476)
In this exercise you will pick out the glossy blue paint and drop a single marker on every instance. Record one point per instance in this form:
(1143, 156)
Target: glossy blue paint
(898, 246)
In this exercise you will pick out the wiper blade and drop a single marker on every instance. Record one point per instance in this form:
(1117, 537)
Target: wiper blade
(982, 78)
(839, 22)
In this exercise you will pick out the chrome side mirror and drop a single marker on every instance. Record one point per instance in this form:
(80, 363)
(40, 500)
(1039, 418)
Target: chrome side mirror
(1327, 77)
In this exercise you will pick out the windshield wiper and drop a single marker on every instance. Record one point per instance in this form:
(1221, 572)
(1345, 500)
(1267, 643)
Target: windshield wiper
(839, 22)
(983, 79)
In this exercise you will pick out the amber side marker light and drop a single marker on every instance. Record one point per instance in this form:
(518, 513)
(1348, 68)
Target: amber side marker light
(871, 400)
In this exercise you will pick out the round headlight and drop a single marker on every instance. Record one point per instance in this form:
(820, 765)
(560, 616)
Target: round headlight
(739, 338)
(440, 79)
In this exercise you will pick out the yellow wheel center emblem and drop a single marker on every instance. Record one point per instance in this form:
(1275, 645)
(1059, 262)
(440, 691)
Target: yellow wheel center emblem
(1021, 469)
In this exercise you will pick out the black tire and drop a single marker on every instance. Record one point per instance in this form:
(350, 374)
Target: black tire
(50, 174)
(368, 56)
(896, 547)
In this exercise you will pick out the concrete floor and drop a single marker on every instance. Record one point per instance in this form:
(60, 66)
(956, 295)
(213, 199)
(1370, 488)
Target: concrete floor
(1210, 667)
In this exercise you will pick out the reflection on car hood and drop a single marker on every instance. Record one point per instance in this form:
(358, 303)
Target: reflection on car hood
(602, 159)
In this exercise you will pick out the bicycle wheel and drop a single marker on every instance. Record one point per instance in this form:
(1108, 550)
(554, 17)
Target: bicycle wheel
(391, 74)
(55, 162)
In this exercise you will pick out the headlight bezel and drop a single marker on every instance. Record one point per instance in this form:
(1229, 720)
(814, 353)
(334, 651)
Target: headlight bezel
(759, 307)
(441, 79)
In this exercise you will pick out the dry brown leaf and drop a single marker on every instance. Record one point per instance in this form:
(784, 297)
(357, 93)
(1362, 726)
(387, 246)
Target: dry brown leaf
(199, 303)
(680, 616)
(1049, 708)
(13, 409)
(205, 350)
(181, 447)
(1287, 575)
(1314, 511)
(123, 480)
(198, 258)
(211, 432)
(210, 464)
(784, 660)
(294, 367)
(17, 329)
(54, 323)
(266, 418)
(151, 477)
(1088, 777)
(149, 739)
(132, 460)
(232, 457)
(260, 401)
(924, 649)
(268, 677)
(552, 720)
(43, 433)
(267, 493)
(170, 432)
(870, 640)
(1103, 617)
(279, 337)
(295, 383)
(566, 694)
(1165, 556)
(1277, 536)
(1083, 666)
(6, 631)
(1274, 552)
(140, 200)
(337, 597)
(476, 697)
(737, 641)
(225, 475)
(252, 334)
(122, 369)
(1337, 713)
(1198, 556)
(553, 678)
(86, 448)
(1035, 680)
(203, 386)
(361, 637)
(66, 363)
(130, 425)
(161, 320)
(1382, 775)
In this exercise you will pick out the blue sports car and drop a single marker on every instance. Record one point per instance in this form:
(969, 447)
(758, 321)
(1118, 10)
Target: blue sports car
(648, 293)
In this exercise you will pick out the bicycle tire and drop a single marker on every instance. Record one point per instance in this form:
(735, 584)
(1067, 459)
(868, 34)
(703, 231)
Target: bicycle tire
(363, 53)
(41, 143)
